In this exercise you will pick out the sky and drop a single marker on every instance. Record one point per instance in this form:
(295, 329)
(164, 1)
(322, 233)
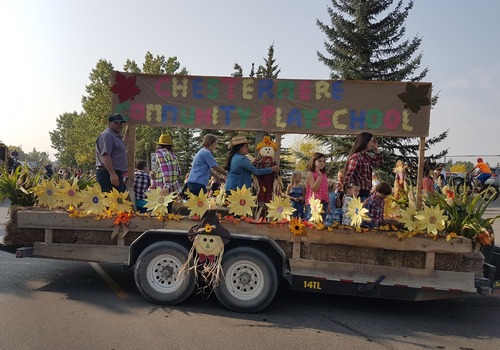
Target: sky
(50, 47)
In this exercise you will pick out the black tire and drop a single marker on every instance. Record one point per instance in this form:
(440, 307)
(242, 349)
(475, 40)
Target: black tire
(157, 276)
(250, 280)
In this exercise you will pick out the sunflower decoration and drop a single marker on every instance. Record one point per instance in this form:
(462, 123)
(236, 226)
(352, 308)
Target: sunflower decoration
(93, 200)
(432, 219)
(68, 193)
(356, 212)
(296, 226)
(117, 201)
(408, 218)
(279, 208)
(197, 204)
(46, 193)
(316, 210)
(241, 201)
(158, 203)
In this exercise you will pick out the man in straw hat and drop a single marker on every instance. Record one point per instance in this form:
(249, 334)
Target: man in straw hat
(111, 155)
(168, 174)
(238, 166)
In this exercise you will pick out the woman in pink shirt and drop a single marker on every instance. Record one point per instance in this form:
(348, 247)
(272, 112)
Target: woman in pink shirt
(317, 183)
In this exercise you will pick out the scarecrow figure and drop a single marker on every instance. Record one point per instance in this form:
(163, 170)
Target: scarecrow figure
(209, 238)
(265, 159)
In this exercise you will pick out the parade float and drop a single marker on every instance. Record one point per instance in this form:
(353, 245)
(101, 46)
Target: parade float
(429, 250)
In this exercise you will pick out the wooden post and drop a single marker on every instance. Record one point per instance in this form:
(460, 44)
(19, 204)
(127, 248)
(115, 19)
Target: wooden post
(129, 140)
(420, 174)
(49, 235)
(278, 152)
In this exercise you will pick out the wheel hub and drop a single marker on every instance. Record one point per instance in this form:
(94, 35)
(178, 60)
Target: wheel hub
(166, 271)
(245, 278)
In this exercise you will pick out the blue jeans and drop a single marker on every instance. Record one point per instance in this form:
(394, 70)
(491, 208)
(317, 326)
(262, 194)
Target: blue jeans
(195, 188)
(483, 177)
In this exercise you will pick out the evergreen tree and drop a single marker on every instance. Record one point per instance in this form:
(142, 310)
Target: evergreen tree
(365, 41)
(269, 70)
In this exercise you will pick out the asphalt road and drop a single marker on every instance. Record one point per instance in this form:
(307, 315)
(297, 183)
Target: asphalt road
(48, 304)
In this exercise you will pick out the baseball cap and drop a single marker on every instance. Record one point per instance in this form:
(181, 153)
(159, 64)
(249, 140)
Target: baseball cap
(117, 118)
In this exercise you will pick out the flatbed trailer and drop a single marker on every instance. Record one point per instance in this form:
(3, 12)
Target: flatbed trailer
(260, 257)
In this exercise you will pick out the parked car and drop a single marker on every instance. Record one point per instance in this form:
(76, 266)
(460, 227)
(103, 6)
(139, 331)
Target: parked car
(495, 177)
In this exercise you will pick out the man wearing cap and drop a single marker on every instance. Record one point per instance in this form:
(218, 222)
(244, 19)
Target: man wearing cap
(238, 166)
(168, 174)
(111, 155)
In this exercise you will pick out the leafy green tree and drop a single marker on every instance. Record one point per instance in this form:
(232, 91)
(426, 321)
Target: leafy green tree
(75, 135)
(39, 158)
(146, 135)
(365, 41)
(66, 152)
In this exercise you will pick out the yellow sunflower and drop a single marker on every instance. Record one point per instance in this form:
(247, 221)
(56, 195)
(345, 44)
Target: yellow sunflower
(241, 201)
(46, 192)
(356, 212)
(197, 204)
(93, 200)
(316, 210)
(432, 219)
(279, 208)
(117, 201)
(68, 193)
(408, 218)
(158, 203)
(296, 226)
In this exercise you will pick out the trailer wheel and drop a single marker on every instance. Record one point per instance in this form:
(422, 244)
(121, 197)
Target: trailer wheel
(250, 280)
(157, 274)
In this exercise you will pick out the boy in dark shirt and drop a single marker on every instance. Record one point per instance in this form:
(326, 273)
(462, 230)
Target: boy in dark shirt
(375, 204)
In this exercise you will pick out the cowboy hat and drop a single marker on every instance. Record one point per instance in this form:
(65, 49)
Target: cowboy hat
(238, 140)
(165, 140)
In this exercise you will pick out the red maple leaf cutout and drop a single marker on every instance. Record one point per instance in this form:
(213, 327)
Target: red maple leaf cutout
(125, 87)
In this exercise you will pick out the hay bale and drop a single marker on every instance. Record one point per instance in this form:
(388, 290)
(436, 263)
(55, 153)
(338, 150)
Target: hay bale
(16, 236)
(448, 262)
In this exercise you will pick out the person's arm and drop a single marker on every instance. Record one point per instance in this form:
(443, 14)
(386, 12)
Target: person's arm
(315, 184)
(245, 164)
(219, 170)
(352, 164)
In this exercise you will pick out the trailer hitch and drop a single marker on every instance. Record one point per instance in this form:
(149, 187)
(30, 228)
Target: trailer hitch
(372, 286)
